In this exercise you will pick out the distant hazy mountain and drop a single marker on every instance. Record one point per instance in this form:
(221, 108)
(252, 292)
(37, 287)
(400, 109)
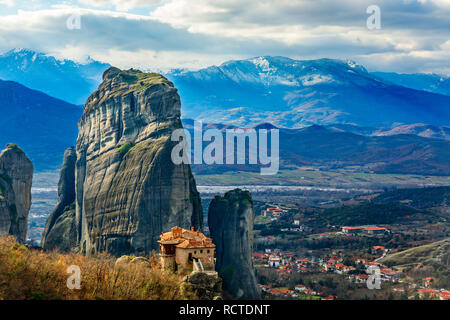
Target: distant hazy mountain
(403, 153)
(63, 79)
(418, 129)
(428, 82)
(319, 146)
(294, 93)
(42, 126)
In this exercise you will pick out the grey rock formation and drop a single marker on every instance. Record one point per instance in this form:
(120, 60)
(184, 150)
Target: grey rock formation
(127, 189)
(204, 285)
(16, 174)
(60, 231)
(230, 220)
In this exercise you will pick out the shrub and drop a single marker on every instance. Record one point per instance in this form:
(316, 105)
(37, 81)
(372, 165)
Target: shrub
(34, 274)
(123, 149)
(13, 146)
(128, 77)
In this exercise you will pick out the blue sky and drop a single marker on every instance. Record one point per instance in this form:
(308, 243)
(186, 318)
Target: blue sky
(164, 34)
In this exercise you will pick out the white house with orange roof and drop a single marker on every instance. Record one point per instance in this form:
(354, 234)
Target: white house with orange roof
(274, 261)
(300, 287)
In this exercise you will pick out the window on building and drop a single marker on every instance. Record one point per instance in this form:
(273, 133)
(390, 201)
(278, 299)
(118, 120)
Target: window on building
(201, 251)
(207, 251)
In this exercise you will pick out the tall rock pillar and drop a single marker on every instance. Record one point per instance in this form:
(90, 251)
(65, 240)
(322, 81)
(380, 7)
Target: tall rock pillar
(230, 220)
(60, 231)
(16, 175)
(127, 188)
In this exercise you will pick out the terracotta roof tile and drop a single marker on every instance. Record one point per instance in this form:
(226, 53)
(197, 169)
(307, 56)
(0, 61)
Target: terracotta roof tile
(184, 238)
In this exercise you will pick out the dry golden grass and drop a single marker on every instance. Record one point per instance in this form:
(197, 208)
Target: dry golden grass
(33, 274)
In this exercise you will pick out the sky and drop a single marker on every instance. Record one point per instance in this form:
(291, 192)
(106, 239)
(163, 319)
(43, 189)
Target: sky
(414, 35)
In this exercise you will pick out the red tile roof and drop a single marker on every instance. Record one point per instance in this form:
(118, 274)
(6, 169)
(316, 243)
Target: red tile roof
(374, 229)
(426, 290)
(183, 238)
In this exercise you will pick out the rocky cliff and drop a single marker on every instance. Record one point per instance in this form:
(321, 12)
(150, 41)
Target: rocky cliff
(230, 220)
(60, 230)
(127, 189)
(16, 174)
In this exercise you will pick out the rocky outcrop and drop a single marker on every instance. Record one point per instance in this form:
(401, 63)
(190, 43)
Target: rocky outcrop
(127, 189)
(230, 220)
(127, 260)
(204, 285)
(60, 230)
(16, 174)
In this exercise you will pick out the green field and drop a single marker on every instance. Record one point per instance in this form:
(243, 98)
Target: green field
(316, 177)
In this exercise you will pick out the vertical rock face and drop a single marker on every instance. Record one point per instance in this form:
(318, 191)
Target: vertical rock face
(60, 230)
(230, 220)
(127, 189)
(16, 174)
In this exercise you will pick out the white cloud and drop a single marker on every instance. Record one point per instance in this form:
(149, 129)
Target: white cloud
(332, 28)
(143, 59)
(124, 39)
(8, 3)
(197, 33)
(121, 5)
(249, 18)
(422, 61)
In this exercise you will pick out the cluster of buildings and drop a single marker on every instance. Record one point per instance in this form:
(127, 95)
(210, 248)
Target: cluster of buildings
(274, 212)
(295, 293)
(433, 293)
(285, 263)
(355, 269)
(425, 291)
(386, 274)
(334, 264)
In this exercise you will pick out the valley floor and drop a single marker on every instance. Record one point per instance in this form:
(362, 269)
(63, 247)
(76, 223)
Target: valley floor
(309, 186)
(345, 178)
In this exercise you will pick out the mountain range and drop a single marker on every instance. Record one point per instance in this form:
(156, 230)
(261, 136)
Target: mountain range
(428, 82)
(297, 93)
(318, 146)
(63, 79)
(285, 92)
(418, 129)
(341, 113)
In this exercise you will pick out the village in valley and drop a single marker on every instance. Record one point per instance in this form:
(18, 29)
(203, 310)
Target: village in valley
(296, 257)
